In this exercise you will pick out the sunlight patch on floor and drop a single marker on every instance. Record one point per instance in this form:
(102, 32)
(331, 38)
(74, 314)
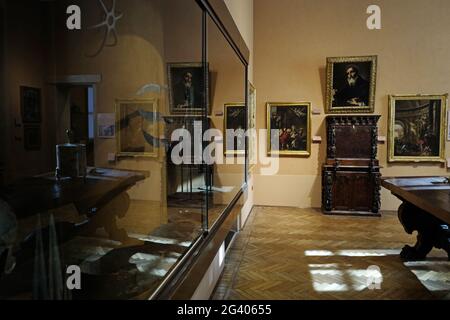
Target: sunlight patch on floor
(333, 277)
(318, 253)
(353, 253)
(434, 275)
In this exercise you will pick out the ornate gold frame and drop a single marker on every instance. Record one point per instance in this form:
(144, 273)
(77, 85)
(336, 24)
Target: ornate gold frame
(372, 82)
(225, 151)
(392, 100)
(307, 152)
(252, 144)
(119, 102)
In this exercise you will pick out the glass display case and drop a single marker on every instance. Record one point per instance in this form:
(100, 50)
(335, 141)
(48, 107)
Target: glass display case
(141, 86)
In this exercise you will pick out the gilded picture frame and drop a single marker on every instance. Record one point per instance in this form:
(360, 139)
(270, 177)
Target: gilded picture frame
(137, 128)
(251, 127)
(351, 84)
(234, 119)
(417, 128)
(188, 83)
(292, 121)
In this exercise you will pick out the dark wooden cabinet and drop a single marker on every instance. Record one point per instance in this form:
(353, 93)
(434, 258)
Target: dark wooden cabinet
(351, 173)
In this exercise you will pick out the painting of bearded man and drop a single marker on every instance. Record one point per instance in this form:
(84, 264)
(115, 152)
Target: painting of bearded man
(351, 84)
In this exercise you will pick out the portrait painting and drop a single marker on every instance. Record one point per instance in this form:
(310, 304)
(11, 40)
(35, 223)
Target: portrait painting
(30, 103)
(235, 127)
(417, 128)
(137, 128)
(351, 83)
(187, 85)
(289, 129)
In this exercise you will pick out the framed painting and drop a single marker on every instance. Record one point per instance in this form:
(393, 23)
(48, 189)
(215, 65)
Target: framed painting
(351, 83)
(235, 127)
(137, 128)
(32, 137)
(30, 104)
(289, 129)
(252, 142)
(417, 128)
(187, 85)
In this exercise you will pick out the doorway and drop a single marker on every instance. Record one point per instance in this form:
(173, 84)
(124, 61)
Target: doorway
(82, 116)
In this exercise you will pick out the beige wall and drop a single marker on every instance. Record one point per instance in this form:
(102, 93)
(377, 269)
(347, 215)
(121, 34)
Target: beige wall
(293, 38)
(242, 12)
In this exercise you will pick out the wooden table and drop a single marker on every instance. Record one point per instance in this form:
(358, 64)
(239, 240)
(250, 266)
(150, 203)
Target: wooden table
(44, 192)
(425, 209)
(92, 196)
(100, 199)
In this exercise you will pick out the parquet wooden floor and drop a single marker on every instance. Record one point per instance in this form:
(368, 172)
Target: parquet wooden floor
(301, 254)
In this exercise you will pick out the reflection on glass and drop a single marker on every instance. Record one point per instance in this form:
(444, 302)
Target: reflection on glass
(228, 98)
(118, 230)
(107, 188)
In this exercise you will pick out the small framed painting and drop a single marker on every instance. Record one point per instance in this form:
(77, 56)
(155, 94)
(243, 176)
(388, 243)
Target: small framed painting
(106, 125)
(30, 103)
(32, 137)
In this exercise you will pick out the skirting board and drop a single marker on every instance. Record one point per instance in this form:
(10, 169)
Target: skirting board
(301, 191)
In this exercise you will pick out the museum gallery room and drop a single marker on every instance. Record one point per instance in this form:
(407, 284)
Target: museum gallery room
(224, 150)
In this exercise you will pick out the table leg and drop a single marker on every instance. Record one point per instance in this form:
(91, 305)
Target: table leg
(431, 232)
(107, 218)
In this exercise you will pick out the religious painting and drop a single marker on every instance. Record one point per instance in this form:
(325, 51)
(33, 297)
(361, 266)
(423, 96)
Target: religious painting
(289, 129)
(351, 83)
(252, 139)
(137, 127)
(30, 103)
(235, 127)
(417, 128)
(187, 86)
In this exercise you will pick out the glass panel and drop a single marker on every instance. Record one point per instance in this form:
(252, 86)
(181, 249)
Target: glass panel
(118, 226)
(228, 116)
